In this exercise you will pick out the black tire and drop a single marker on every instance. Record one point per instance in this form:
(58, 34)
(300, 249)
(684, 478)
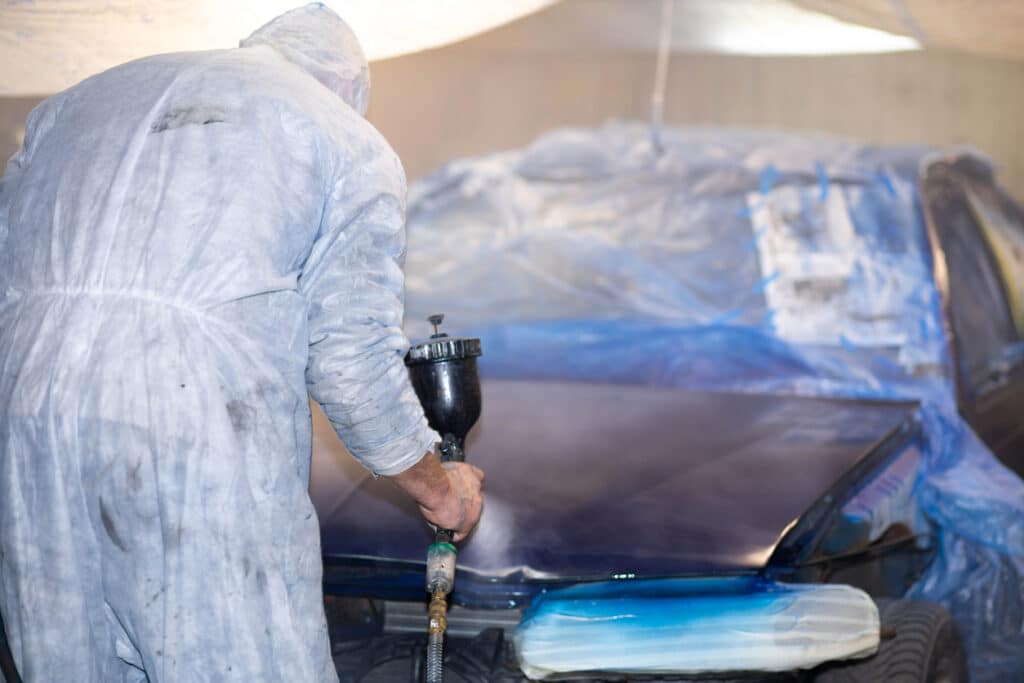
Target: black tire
(920, 644)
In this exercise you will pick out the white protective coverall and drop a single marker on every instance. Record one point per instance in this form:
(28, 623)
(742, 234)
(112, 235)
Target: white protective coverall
(189, 243)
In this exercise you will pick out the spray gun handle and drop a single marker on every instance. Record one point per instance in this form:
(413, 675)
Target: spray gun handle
(450, 450)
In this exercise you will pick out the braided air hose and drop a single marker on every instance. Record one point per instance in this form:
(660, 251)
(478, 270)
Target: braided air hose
(440, 580)
(435, 658)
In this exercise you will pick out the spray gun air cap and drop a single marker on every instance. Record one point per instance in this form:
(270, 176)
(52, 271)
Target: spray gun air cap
(441, 347)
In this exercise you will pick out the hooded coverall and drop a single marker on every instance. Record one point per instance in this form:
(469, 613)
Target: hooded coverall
(190, 243)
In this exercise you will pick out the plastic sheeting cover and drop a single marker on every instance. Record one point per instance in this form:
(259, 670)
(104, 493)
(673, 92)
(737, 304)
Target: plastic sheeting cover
(695, 626)
(734, 260)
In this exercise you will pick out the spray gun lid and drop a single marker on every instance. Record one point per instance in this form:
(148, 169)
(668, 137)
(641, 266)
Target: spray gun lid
(441, 347)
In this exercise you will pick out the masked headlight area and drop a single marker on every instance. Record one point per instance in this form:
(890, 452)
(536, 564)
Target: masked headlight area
(694, 626)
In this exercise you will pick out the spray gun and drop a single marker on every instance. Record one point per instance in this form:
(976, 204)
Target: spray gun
(444, 374)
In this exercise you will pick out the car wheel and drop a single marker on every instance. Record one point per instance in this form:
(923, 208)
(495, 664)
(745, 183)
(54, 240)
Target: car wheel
(920, 644)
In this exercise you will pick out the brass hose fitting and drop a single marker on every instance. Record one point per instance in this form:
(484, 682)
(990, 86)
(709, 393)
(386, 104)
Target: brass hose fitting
(437, 613)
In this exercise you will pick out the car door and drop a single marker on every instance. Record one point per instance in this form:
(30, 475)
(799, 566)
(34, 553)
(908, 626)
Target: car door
(979, 230)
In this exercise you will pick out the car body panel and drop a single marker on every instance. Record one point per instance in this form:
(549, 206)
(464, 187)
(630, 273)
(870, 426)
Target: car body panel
(592, 481)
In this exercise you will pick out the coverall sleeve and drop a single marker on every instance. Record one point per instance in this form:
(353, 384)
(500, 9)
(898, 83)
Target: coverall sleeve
(354, 288)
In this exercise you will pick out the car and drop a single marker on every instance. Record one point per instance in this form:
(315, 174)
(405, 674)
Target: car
(733, 393)
(707, 443)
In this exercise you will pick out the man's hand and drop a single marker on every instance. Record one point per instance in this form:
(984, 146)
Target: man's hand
(449, 494)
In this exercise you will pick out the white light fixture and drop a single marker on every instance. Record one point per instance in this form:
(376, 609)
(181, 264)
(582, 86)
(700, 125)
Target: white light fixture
(389, 28)
(777, 27)
(742, 27)
(48, 45)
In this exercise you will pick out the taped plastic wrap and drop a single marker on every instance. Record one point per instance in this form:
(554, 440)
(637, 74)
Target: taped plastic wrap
(695, 626)
(733, 260)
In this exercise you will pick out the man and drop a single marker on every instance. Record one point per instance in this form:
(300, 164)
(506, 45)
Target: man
(189, 243)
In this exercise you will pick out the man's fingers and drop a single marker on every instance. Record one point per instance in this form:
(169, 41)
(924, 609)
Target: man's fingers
(474, 513)
(461, 510)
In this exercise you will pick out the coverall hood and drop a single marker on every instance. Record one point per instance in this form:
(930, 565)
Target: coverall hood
(317, 40)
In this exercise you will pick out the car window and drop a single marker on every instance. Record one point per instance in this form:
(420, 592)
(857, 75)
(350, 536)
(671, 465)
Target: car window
(983, 326)
(1002, 225)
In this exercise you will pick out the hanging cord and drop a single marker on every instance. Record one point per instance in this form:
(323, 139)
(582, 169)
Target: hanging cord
(910, 24)
(661, 74)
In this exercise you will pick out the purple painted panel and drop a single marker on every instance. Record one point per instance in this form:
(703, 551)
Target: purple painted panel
(595, 480)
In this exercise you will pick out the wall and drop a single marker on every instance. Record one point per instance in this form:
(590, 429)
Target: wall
(485, 95)
(13, 112)
(468, 99)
